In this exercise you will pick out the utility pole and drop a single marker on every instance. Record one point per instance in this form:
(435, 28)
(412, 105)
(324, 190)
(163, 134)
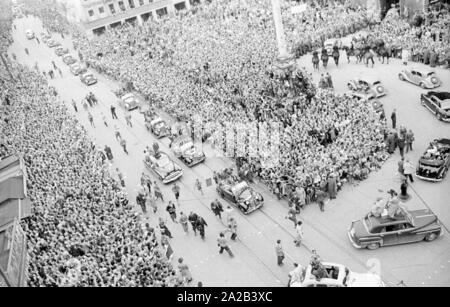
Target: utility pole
(284, 62)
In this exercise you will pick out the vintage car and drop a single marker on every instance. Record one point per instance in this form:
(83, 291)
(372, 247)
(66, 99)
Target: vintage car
(338, 276)
(161, 164)
(438, 103)
(241, 195)
(159, 127)
(29, 34)
(130, 101)
(45, 37)
(366, 87)
(60, 51)
(52, 43)
(184, 149)
(372, 232)
(68, 59)
(435, 162)
(423, 78)
(77, 69)
(88, 78)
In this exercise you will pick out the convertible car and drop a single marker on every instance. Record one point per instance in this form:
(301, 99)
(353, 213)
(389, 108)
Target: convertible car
(372, 232)
(68, 59)
(159, 127)
(45, 37)
(52, 43)
(161, 164)
(130, 101)
(338, 276)
(438, 103)
(184, 149)
(435, 162)
(424, 79)
(366, 88)
(241, 195)
(60, 51)
(88, 78)
(77, 69)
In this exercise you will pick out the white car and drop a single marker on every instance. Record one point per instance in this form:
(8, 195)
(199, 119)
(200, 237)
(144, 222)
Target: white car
(161, 164)
(339, 276)
(77, 69)
(29, 34)
(423, 78)
(185, 150)
(366, 88)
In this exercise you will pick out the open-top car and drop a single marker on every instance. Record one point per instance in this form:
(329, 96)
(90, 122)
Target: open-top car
(366, 87)
(159, 127)
(88, 78)
(423, 78)
(52, 43)
(435, 162)
(60, 51)
(337, 275)
(438, 103)
(130, 101)
(400, 227)
(45, 37)
(77, 68)
(30, 34)
(241, 195)
(161, 164)
(185, 150)
(69, 59)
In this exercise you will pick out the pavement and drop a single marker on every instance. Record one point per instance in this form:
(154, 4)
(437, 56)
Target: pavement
(254, 264)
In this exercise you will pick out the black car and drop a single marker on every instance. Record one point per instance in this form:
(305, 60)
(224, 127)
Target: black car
(241, 195)
(435, 162)
(438, 103)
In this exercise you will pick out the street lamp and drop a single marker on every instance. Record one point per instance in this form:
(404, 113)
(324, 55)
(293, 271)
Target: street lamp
(285, 61)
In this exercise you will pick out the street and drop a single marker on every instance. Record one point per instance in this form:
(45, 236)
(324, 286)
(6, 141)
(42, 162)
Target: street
(254, 264)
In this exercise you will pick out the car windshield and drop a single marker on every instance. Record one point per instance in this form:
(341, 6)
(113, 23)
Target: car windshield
(164, 161)
(430, 74)
(245, 194)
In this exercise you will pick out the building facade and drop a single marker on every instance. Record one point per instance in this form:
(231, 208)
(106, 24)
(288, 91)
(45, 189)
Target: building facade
(407, 8)
(97, 15)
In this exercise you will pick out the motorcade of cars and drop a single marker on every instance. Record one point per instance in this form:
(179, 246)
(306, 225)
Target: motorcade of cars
(435, 161)
(130, 102)
(366, 87)
(88, 78)
(159, 127)
(69, 59)
(53, 43)
(423, 78)
(337, 275)
(241, 195)
(163, 166)
(438, 103)
(77, 69)
(60, 51)
(184, 149)
(387, 228)
(30, 34)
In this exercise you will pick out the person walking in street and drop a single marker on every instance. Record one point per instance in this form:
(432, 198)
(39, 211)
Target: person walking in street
(140, 200)
(223, 245)
(394, 119)
(321, 197)
(172, 211)
(85, 105)
(158, 193)
(54, 65)
(117, 133)
(113, 112)
(198, 185)
(193, 220)
(292, 214)
(123, 143)
(91, 119)
(26, 51)
(176, 192)
(217, 208)
(232, 228)
(184, 222)
(74, 104)
(401, 170)
(104, 120)
(184, 271)
(146, 182)
(280, 253)
(60, 72)
(409, 140)
(152, 202)
(200, 225)
(401, 143)
(121, 178)
(229, 213)
(128, 120)
(164, 229)
(108, 153)
(298, 234)
(408, 170)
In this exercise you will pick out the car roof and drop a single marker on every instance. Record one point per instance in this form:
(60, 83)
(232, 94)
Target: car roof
(369, 79)
(422, 70)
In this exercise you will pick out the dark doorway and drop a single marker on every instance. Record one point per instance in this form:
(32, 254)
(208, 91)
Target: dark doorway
(386, 5)
(161, 12)
(131, 20)
(115, 25)
(147, 16)
(180, 6)
(99, 31)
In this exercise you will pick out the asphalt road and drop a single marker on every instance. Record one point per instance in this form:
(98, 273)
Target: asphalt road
(254, 264)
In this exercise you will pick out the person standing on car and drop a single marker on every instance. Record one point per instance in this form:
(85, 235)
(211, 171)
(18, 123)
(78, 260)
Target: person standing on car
(232, 227)
(198, 185)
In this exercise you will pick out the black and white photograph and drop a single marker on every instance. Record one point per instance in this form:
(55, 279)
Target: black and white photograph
(240, 146)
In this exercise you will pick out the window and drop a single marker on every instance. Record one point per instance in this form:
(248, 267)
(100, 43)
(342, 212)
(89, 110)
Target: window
(131, 3)
(141, 2)
(101, 10)
(122, 6)
(91, 13)
(112, 8)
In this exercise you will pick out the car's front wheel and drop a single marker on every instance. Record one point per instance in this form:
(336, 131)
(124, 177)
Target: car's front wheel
(431, 237)
(422, 85)
(373, 246)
